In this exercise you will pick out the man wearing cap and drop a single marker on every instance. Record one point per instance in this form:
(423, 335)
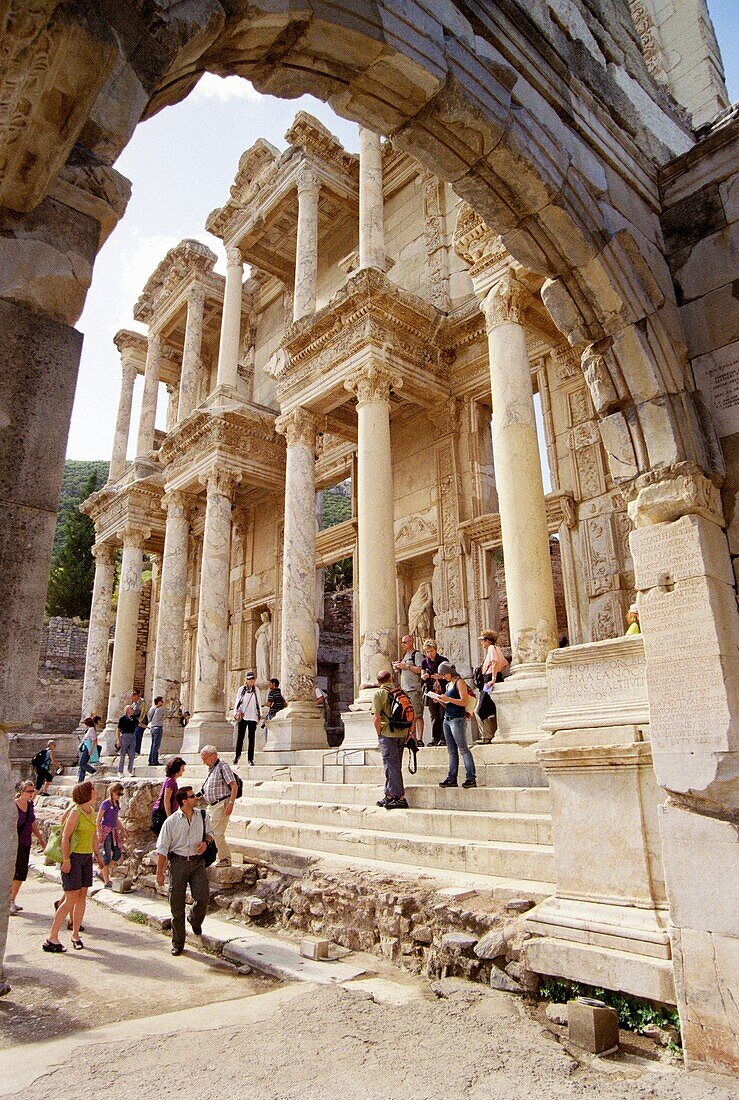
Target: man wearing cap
(632, 620)
(409, 667)
(247, 711)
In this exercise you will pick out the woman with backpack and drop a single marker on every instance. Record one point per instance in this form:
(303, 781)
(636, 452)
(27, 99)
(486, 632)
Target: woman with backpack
(486, 676)
(166, 801)
(88, 749)
(78, 844)
(454, 700)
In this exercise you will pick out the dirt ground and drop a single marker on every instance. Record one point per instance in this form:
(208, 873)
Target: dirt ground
(190, 1027)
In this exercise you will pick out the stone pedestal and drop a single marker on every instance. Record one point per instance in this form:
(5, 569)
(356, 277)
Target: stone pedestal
(190, 377)
(228, 350)
(607, 923)
(126, 625)
(523, 519)
(147, 420)
(688, 614)
(122, 423)
(299, 725)
(306, 249)
(96, 661)
(172, 596)
(375, 545)
(208, 724)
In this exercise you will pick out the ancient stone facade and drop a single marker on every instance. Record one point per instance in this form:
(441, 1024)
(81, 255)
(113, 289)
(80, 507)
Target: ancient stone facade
(548, 149)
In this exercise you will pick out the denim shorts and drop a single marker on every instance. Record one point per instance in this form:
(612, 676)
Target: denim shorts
(111, 851)
(80, 873)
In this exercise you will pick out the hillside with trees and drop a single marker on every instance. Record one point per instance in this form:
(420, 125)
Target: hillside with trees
(72, 564)
(75, 479)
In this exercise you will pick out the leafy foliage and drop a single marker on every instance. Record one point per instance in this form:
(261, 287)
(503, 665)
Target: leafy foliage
(75, 479)
(337, 505)
(339, 576)
(633, 1013)
(73, 566)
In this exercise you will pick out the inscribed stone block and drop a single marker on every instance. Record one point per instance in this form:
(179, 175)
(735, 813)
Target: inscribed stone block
(717, 377)
(689, 547)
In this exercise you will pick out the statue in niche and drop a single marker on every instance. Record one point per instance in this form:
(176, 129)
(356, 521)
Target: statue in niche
(263, 647)
(421, 614)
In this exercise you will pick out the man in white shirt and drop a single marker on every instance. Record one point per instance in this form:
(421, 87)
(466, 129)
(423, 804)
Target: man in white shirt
(182, 841)
(247, 712)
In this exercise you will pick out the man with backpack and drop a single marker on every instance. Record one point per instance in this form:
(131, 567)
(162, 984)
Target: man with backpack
(391, 739)
(409, 667)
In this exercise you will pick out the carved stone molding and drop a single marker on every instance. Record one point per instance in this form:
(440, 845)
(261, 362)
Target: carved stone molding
(665, 494)
(189, 258)
(504, 303)
(371, 383)
(298, 426)
(220, 481)
(475, 243)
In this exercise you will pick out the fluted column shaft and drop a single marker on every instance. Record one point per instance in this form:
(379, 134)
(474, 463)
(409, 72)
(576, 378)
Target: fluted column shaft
(122, 423)
(371, 205)
(126, 625)
(96, 661)
(172, 597)
(228, 350)
(190, 377)
(147, 419)
(306, 251)
(298, 619)
(375, 542)
(209, 700)
(521, 503)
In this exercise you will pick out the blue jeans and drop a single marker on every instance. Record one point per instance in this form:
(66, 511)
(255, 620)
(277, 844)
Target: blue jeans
(85, 767)
(139, 738)
(455, 735)
(156, 740)
(128, 749)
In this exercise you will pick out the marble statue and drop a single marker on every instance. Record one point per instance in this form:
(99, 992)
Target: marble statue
(421, 614)
(263, 639)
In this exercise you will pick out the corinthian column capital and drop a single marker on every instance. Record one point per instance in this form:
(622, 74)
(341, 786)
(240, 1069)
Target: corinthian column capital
(154, 345)
(220, 482)
(103, 553)
(196, 295)
(177, 504)
(308, 182)
(135, 535)
(297, 426)
(234, 257)
(371, 384)
(505, 302)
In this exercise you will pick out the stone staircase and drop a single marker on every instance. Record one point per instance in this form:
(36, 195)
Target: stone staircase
(315, 803)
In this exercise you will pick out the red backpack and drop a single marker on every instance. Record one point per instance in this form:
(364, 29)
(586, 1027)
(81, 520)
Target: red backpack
(402, 715)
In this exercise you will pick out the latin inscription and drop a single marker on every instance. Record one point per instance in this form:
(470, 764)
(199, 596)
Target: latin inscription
(667, 548)
(717, 376)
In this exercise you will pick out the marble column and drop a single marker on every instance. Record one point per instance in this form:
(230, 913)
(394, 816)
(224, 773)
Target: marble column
(522, 508)
(371, 203)
(123, 422)
(190, 377)
(228, 350)
(375, 544)
(300, 725)
(147, 419)
(306, 250)
(126, 627)
(208, 724)
(96, 661)
(171, 614)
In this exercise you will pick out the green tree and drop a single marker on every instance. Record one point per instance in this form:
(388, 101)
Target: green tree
(73, 567)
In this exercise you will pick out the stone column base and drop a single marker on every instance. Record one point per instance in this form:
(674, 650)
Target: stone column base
(620, 947)
(521, 703)
(207, 729)
(172, 737)
(298, 726)
(359, 723)
(106, 739)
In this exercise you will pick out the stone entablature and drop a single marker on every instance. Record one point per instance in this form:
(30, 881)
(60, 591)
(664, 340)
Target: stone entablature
(117, 511)
(190, 262)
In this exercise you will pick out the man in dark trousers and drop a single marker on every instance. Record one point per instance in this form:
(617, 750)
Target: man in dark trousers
(182, 841)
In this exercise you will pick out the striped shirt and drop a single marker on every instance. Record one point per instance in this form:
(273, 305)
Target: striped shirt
(218, 784)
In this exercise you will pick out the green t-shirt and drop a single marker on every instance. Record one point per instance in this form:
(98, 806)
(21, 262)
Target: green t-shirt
(382, 705)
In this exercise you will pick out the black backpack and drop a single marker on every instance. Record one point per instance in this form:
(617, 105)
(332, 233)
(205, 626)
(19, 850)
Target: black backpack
(239, 783)
(39, 760)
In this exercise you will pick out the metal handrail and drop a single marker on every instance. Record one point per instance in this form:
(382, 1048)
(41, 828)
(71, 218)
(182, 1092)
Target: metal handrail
(343, 753)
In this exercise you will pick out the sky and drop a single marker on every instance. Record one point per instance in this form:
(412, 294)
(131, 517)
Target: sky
(181, 164)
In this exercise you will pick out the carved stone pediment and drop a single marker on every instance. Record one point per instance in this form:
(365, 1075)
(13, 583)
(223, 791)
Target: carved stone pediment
(189, 260)
(126, 505)
(415, 530)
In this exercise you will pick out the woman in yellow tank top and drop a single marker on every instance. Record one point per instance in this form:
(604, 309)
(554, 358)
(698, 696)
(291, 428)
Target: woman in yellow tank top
(79, 843)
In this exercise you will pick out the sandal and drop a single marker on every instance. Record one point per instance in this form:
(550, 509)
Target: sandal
(69, 926)
(77, 944)
(53, 948)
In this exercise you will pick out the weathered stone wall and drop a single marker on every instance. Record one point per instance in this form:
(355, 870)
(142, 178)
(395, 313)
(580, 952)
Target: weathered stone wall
(63, 646)
(336, 656)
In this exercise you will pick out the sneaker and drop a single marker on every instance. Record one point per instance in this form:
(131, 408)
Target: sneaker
(468, 783)
(108, 886)
(397, 804)
(197, 928)
(15, 909)
(448, 782)
(383, 802)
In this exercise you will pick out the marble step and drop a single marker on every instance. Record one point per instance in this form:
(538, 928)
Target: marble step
(429, 796)
(456, 824)
(493, 858)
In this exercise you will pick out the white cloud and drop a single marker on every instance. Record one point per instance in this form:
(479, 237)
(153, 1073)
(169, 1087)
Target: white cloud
(137, 264)
(222, 88)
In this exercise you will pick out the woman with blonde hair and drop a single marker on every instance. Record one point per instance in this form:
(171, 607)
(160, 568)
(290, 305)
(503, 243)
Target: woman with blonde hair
(78, 843)
(111, 833)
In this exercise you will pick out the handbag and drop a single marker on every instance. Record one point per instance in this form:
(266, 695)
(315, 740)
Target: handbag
(53, 849)
(485, 707)
(158, 817)
(210, 855)
(412, 745)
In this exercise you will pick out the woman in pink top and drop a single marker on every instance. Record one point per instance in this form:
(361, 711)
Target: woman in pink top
(166, 802)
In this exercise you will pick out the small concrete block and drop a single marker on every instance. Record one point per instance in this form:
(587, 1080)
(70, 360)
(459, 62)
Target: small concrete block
(315, 949)
(519, 905)
(592, 1026)
(122, 885)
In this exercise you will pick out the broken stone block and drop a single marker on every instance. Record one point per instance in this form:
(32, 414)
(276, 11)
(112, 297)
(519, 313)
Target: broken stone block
(592, 1025)
(491, 946)
(253, 906)
(519, 905)
(225, 876)
(422, 934)
(500, 980)
(315, 949)
(122, 885)
(458, 942)
(557, 1014)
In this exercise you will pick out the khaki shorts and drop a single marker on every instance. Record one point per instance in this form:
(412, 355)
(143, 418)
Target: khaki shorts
(416, 697)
